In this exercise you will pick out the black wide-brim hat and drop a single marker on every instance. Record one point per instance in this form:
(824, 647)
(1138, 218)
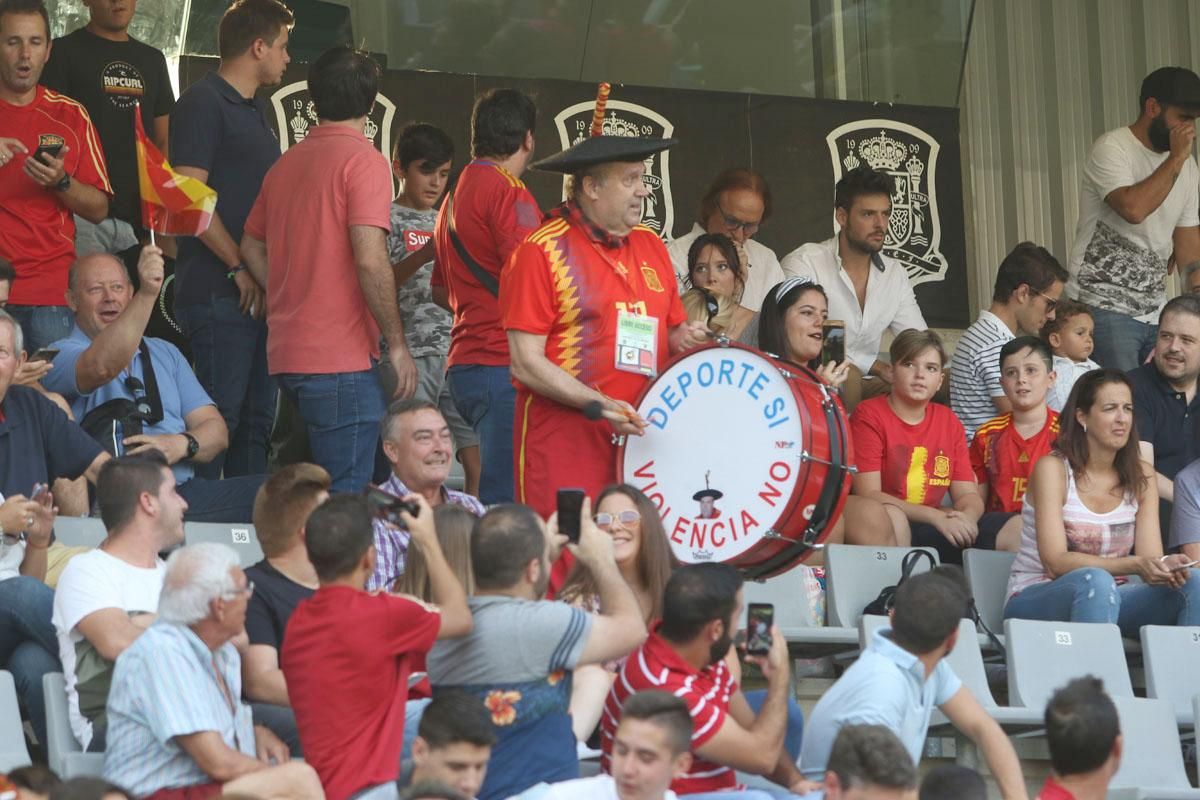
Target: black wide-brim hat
(713, 493)
(603, 150)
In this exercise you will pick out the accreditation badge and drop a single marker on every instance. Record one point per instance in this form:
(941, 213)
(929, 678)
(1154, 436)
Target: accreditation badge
(637, 343)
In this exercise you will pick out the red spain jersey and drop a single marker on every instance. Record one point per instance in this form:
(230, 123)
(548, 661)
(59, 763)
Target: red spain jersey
(1004, 461)
(37, 231)
(707, 692)
(563, 285)
(493, 213)
(916, 463)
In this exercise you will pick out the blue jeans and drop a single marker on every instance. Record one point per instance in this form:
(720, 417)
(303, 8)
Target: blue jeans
(1121, 341)
(486, 399)
(795, 720)
(42, 325)
(1092, 595)
(342, 412)
(28, 646)
(281, 721)
(228, 500)
(230, 354)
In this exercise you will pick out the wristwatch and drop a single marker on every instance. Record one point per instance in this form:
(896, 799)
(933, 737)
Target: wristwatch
(62, 185)
(193, 445)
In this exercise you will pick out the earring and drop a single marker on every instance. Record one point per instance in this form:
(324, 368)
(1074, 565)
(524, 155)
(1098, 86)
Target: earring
(1084, 426)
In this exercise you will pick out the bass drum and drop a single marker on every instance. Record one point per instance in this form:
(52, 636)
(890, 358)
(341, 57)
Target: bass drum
(747, 457)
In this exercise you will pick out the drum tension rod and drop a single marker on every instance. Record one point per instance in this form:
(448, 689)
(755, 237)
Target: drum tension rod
(807, 456)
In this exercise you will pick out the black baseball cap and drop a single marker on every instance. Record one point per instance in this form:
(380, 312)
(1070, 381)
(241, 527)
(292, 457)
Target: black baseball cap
(1172, 86)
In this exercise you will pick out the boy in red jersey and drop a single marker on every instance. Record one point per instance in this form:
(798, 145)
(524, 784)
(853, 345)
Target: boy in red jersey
(1005, 449)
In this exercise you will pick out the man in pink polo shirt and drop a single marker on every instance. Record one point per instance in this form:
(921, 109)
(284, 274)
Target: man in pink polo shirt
(324, 209)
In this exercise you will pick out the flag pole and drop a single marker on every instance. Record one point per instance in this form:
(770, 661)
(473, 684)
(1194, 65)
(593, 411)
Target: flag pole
(138, 106)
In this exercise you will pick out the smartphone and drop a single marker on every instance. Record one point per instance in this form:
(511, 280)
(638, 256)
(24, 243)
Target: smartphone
(45, 354)
(759, 619)
(570, 513)
(1188, 565)
(387, 506)
(833, 342)
(51, 150)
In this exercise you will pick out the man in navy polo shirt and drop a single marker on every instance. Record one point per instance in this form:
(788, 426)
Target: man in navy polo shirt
(1165, 399)
(220, 135)
(38, 445)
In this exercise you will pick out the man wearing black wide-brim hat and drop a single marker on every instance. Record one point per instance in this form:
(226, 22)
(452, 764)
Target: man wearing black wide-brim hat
(592, 311)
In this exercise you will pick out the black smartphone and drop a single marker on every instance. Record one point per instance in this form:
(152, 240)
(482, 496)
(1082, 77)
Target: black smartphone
(51, 150)
(45, 354)
(387, 506)
(570, 512)
(833, 342)
(759, 619)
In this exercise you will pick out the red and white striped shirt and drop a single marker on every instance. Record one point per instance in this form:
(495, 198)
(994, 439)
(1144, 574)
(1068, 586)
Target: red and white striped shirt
(707, 692)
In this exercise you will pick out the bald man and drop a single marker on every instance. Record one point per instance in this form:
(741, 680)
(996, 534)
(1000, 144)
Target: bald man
(106, 358)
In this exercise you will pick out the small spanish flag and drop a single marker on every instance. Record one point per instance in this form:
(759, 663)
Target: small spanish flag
(172, 204)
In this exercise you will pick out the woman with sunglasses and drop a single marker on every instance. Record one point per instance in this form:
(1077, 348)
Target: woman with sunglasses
(791, 325)
(644, 558)
(715, 283)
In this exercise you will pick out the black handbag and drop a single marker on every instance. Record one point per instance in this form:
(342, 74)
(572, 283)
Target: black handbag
(112, 421)
(882, 604)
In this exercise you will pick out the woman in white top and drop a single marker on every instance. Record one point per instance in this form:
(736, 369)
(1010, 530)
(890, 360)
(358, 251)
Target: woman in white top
(1090, 520)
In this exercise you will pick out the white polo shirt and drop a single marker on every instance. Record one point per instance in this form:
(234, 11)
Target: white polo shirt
(765, 271)
(890, 299)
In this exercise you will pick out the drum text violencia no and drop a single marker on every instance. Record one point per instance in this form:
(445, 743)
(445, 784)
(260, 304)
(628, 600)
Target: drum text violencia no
(748, 378)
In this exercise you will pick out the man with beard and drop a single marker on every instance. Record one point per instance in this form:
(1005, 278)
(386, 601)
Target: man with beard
(519, 656)
(220, 135)
(689, 655)
(1165, 402)
(867, 290)
(1138, 202)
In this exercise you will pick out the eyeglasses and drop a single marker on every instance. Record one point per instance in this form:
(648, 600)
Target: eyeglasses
(732, 223)
(1051, 302)
(605, 521)
(138, 390)
(247, 590)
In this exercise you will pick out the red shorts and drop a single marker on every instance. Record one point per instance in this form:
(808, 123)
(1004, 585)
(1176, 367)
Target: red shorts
(203, 791)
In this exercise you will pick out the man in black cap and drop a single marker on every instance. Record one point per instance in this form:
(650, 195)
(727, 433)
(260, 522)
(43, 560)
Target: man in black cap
(707, 498)
(1138, 203)
(592, 312)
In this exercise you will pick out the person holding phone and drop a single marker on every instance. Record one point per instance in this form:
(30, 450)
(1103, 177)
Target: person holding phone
(1090, 520)
(51, 167)
(716, 281)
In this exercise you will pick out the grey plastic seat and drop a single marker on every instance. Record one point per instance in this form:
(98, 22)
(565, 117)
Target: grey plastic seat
(1152, 761)
(1167, 653)
(966, 659)
(79, 531)
(987, 574)
(240, 536)
(854, 575)
(786, 593)
(1044, 656)
(63, 751)
(13, 752)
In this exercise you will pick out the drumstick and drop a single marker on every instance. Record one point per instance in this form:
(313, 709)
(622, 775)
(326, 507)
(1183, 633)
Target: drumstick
(595, 410)
(598, 115)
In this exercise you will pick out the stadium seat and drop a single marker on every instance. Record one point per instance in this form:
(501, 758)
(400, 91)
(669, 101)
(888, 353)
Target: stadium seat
(79, 531)
(854, 574)
(1152, 761)
(966, 659)
(1165, 651)
(13, 752)
(1044, 656)
(66, 757)
(987, 575)
(786, 593)
(239, 536)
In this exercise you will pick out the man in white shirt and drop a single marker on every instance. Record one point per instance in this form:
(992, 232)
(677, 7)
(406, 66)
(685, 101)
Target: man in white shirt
(1137, 204)
(736, 204)
(651, 748)
(867, 290)
(108, 597)
(1028, 285)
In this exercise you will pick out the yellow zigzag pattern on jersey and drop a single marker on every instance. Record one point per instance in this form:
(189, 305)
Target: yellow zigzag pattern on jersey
(566, 291)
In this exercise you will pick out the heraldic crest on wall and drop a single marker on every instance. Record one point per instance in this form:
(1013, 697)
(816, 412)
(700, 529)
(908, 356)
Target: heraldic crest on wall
(629, 119)
(295, 115)
(910, 156)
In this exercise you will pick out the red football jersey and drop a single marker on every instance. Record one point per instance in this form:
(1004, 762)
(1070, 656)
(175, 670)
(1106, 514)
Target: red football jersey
(1004, 461)
(37, 231)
